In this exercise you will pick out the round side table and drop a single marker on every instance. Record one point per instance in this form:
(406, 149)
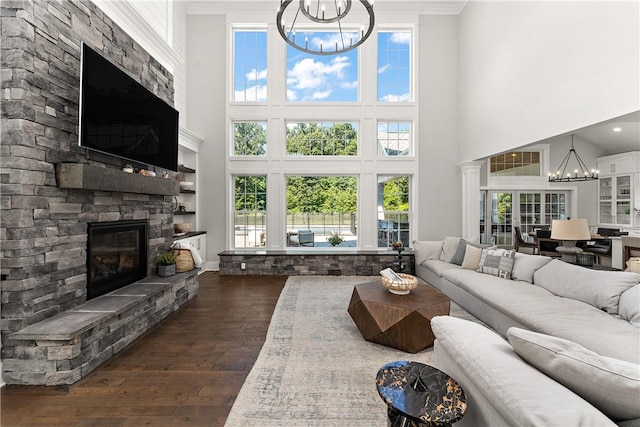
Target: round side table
(420, 395)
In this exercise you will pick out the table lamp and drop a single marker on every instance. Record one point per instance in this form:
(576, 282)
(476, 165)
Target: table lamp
(569, 231)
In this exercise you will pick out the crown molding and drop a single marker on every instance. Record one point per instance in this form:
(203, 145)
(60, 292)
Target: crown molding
(125, 15)
(429, 7)
(189, 139)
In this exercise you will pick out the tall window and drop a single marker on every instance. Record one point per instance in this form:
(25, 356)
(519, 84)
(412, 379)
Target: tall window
(250, 138)
(394, 66)
(322, 139)
(394, 139)
(313, 78)
(393, 210)
(250, 217)
(516, 163)
(323, 206)
(250, 66)
(555, 206)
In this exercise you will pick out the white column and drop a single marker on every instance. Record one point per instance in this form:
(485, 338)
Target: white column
(470, 173)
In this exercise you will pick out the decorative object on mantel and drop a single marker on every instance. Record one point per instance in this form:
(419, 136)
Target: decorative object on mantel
(584, 174)
(332, 20)
(569, 231)
(127, 168)
(398, 283)
(166, 264)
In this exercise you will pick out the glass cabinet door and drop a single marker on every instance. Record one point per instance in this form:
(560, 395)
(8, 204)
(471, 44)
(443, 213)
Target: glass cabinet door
(623, 187)
(606, 188)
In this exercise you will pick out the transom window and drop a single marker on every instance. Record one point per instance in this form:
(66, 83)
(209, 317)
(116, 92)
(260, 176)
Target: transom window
(394, 139)
(315, 78)
(250, 66)
(250, 138)
(322, 139)
(516, 163)
(394, 66)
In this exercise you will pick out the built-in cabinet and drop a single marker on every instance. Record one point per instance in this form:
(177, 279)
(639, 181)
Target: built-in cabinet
(186, 203)
(619, 190)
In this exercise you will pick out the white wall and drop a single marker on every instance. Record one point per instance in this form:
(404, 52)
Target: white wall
(530, 70)
(179, 44)
(439, 179)
(206, 103)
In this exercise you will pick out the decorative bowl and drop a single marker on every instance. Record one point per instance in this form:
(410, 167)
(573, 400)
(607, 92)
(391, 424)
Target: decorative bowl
(400, 287)
(182, 228)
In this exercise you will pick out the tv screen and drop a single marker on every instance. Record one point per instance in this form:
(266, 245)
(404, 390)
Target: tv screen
(121, 117)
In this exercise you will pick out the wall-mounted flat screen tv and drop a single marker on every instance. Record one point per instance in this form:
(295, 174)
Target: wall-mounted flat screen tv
(119, 116)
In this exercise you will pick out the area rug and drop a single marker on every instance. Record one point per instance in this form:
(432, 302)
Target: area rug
(315, 369)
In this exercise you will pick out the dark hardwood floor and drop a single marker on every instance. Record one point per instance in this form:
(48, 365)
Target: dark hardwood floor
(185, 372)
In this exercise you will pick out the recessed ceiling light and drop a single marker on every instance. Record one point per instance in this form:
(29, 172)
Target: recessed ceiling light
(617, 129)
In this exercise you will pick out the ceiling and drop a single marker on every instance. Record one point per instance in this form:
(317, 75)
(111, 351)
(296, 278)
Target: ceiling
(603, 135)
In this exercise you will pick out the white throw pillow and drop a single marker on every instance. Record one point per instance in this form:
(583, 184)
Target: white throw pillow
(472, 257)
(426, 249)
(629, 307)
(611, 385)
(449, 248)
(524, 265)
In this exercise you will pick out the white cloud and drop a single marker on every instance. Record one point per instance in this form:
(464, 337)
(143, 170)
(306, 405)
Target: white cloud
(384, 68)
(320, 95)
(396, 98)
(401, 37)
(311, 74)
(251, 94)
(256, 75)
(349, 85)
(330, 40)
(292, 95)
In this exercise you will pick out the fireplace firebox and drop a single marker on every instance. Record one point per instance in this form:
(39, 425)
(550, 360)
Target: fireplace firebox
(116, 255)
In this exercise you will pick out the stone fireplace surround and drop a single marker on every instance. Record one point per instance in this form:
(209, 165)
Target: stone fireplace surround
(43, 228)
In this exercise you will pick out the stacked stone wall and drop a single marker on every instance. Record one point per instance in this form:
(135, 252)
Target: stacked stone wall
(43, 227)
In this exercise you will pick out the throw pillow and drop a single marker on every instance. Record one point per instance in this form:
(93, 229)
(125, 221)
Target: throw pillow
(427, 249)
(524, 265)
(449, 248)
(472, 257)
(611, 385)
(629, 308)
(458, 255)
(497, 262)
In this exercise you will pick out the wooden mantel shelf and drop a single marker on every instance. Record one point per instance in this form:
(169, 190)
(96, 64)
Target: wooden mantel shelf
(84, 176)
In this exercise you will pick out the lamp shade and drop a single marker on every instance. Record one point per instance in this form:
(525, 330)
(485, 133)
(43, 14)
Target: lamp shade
(570, 229)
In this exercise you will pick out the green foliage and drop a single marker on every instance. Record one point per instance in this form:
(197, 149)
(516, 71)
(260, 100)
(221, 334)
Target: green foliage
(396, 194)
(250, 193)
(249, 139)
(504, 208)
(313, 139)
(335, 238)
(329, 194)
(167, 258)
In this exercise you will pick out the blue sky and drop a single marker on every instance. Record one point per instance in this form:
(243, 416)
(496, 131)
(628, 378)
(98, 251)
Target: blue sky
(319, 78)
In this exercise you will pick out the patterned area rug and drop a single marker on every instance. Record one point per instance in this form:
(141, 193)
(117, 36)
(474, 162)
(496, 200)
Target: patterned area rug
(315, 369)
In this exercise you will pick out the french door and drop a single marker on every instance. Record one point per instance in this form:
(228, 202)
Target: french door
(501, 210)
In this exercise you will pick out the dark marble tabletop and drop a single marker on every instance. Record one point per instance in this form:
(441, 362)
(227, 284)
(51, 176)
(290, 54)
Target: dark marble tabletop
(420, 392)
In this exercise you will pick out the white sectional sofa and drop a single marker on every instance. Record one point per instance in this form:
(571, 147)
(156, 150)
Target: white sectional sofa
(566, 321)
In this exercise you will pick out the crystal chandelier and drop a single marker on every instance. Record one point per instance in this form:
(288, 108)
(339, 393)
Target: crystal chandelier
(583, 174)
(331, 15)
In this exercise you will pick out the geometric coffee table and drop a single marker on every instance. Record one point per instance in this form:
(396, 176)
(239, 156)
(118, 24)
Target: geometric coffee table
(399, 321)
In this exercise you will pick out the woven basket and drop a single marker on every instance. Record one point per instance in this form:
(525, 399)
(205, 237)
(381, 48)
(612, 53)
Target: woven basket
(400, 288)
(185, 260)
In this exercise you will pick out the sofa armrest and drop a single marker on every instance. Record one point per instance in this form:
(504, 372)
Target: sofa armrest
(501, 388)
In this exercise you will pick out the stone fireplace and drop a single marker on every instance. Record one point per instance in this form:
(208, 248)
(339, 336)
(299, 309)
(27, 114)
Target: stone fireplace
(55, 193)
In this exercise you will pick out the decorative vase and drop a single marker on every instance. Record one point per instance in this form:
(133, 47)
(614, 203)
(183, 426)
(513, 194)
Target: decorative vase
(166, 270)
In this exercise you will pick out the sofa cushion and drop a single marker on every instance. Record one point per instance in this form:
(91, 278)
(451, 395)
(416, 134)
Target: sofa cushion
(449, 247)
(537, 309)
(611, 385)
(482, 362)
(497, 262)
(472, 257)
(524, 265)
(629, 308)
(438, 266)
(601, 289)
(427, 249)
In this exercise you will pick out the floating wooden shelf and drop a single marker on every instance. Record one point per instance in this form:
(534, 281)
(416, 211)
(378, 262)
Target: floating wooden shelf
(184, 213)
(184, 169)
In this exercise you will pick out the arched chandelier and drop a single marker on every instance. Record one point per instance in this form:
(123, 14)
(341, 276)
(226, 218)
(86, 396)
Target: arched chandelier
(329, 13)
(584, 174)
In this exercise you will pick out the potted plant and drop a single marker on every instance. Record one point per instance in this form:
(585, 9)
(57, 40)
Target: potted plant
(335, 238)
(166, 264)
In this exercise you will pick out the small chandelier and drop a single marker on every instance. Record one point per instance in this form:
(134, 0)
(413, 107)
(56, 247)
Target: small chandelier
(584, 174)
(332, 16)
